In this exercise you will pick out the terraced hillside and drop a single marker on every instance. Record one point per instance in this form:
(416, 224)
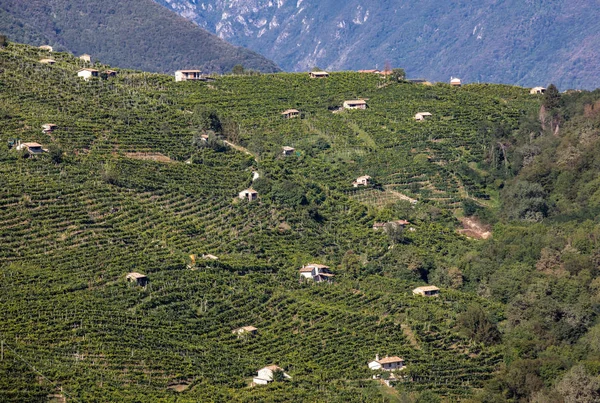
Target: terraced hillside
(129, 185)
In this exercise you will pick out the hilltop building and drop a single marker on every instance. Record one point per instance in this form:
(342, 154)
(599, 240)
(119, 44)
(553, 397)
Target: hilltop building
(537, 90)
(138, 278)
(290, 113)
(355, 104)
(318, 74)
(316, 272)
(427, 291)
(265, 375)
(386, 363)
(455, 82)
(86, 58)
(248, 194)
(188, 75)
(86, 74)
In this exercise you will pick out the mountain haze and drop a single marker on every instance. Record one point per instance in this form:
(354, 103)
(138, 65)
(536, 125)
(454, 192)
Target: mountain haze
(135, 34)
(525, 43)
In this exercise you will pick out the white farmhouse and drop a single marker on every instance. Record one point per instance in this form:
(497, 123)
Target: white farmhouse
(386, 363)
(316, 272)
(86, 74)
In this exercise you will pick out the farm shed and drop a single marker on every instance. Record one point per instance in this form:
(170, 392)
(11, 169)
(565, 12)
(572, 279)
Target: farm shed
(537, 90)
(86, 74)
(48, 128)
(362, 181)
(31, 148)
(187, 75)
(288, 150)
(245, 330)
(290, 113)
(318, 74)
(355, 104)
(422, 116)
(265, 375)
(86, 58)
(248, 194)
(427, 291)
(138, 278)
(455, 82)
(316, 272)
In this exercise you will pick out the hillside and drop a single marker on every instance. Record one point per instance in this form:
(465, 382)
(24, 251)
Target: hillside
(136, 34)
(128, 185)
(512, 42)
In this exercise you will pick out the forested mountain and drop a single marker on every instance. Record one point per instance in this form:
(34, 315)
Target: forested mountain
(515, 42)
(135, 34)
(142, 174)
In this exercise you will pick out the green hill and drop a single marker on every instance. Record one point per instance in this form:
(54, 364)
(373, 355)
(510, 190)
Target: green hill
(136, 34)
(128, 185)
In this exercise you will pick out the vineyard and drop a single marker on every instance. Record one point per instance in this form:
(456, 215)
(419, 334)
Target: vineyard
(127, 187)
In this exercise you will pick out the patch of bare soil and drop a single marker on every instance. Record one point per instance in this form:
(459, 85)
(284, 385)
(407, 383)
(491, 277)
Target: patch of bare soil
(473, 228)
(158, 157)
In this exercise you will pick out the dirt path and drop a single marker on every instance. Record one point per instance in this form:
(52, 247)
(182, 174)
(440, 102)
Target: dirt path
(400, 195)
(472, 228)
(240, 148)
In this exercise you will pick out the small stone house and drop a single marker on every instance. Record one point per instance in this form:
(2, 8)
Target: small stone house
(31, 148)
(188, 75)
(386, 363)
(240, 331)
(138, 278)
(422, 116)
(318, 74)
(48, 128)
(355, 104)
(288, 150)
(86, 58)
(248, 194)
(316, 272)
(537, 90)
(362, 181)
(455, 82)
(48, 61)
(47, 48)
(265, 375)
(290, 113)
(427, 291)
(86, 74)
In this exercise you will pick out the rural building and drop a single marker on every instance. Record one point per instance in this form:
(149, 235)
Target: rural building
(110, 73)
(374, 71)
(86, 74)
(187, 75)
(137, 278)
(86, 58)
(427, 291)
(361, 181)
(290, 113)
(355, 104)
(381, 225)
(48, 128)
(318, 74)
(208, 256)
(245, 330)
(422, 116)
(31, 148)
(248, 194)
(316, 272)
(455, 82)
(48, 61)
(288, 150)
(265, 375)
(386, 363)
(46, 47)
(537, 90)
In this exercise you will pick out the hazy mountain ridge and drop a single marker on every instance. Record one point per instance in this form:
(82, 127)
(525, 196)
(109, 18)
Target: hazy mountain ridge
(136, 34)
(512, 42)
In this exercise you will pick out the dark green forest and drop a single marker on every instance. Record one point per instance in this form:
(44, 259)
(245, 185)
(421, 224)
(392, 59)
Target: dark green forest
(137, 34)
(142, 174)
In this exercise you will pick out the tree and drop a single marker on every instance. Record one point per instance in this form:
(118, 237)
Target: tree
(552, 98)
(476, 324)
(238, 69)
(56, 154)
(278, 376)
(398, 74)
(578, 386)
(3, 41)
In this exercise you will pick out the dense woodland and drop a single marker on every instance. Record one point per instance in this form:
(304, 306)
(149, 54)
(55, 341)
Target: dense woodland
(136, 34)
(129, 185)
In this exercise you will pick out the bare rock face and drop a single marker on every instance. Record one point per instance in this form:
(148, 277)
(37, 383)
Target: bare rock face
(511, 42)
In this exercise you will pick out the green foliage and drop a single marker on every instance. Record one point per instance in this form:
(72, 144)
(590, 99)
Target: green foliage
(476, 324)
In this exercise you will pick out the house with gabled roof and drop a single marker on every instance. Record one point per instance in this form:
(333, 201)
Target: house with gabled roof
(386, 363)
(427, 291)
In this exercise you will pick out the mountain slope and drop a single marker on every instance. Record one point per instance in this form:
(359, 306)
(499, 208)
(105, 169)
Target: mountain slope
(515, 42)
(136, 34)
